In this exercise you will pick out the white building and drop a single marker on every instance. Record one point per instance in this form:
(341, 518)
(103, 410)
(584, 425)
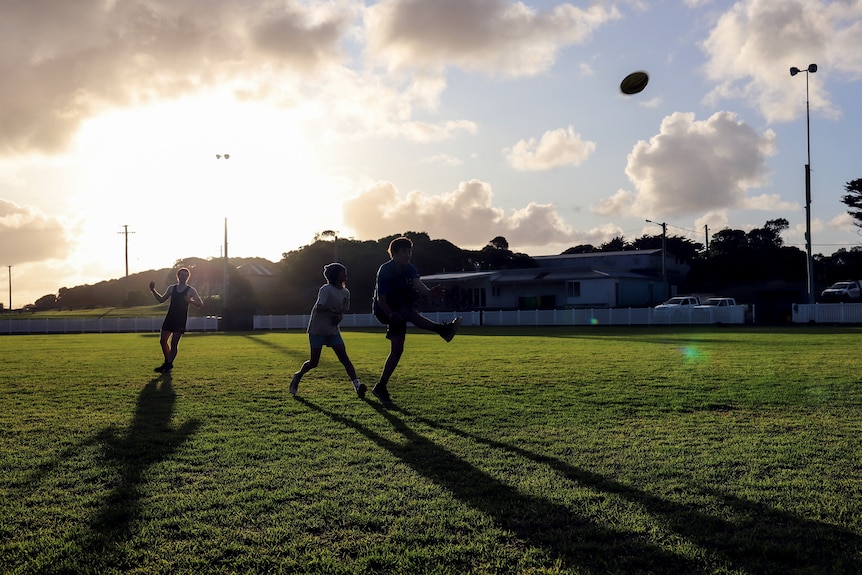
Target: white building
(633, 278)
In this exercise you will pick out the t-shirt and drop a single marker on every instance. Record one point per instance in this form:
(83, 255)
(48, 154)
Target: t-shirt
(329, 296)
(396, 283)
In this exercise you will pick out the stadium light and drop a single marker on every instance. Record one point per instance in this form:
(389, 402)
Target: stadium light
(810, 262)
(226, 275)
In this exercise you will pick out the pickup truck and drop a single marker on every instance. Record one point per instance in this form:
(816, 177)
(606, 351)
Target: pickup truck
(714, 302)
(677, 303)
(849, 290)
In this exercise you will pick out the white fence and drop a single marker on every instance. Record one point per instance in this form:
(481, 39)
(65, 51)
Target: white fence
(827, 313)
(572, 317)
(832, 313)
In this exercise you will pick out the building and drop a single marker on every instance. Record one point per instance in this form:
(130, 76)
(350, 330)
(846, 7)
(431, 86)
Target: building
(633, 278)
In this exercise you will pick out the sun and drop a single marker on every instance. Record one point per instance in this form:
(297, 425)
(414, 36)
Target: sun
(173, 172)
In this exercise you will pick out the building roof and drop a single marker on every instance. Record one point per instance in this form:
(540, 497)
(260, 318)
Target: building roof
(459, 276)
(537, 275)
(622, 253)
(255, 270)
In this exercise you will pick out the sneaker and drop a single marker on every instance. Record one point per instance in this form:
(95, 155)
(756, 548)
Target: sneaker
(360, 388)
(451, 329)
(383, 396)
(164, 368)
(294, 384)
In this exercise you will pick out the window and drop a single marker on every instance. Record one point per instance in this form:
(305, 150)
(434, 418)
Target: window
(573, 289)
(477, 297)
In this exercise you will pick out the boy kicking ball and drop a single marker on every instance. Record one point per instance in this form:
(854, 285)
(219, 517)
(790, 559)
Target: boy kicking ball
(396, 297)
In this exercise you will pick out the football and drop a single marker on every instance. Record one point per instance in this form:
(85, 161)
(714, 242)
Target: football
(634, 83)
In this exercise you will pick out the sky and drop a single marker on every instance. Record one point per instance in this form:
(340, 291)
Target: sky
(465, 119)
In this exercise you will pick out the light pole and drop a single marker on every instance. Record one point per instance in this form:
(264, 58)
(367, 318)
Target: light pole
(810, 262)
(226, 276)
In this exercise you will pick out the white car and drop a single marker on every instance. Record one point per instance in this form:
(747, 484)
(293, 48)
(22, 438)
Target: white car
(677, 303)
(716, 302)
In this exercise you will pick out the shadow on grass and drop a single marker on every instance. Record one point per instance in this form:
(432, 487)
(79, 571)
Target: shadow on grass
(575, 540)
(757, 538)
(150, 439)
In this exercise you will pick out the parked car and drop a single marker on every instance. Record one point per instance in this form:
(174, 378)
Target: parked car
(715, 302)
(849, 290)
(677, 303)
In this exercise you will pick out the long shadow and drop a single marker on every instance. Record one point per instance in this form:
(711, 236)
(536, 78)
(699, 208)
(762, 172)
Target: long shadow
(759, 539)
(149, 439)
(574, 540)
(299, 356)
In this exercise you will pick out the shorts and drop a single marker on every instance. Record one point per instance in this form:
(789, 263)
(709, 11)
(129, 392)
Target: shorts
(318, 341)
(397, 329)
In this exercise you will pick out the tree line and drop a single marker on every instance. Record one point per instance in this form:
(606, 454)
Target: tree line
(747, 264)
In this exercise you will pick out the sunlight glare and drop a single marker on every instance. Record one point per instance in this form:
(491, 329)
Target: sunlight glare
(155, 169)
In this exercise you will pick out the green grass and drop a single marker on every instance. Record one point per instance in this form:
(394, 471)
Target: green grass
(560, 450)
(155, 310)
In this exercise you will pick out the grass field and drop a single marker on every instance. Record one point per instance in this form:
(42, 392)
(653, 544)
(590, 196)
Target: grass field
(560, 450)
(155, 310)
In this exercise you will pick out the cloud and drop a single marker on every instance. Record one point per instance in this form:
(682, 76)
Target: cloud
(26, 235)
(556, 148)
(443, 160)
(768, 202)
(713, 221)
(491, 36)
(466, 217)
(693, 167)
(64, 62)
(753, 45)
(844, 222)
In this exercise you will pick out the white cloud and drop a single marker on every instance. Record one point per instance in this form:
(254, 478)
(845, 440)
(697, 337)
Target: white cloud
(694, 167)
(768, 202)
(753, 45)
(443, 160)
(492, 36)
(65, 62)
(713, 221)
(844, 222)
(466, 217)
(27, 235)
(555, 149)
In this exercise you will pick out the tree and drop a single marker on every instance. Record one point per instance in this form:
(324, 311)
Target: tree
(581, 249)
(48, 301)
(617, 244)
(740, 258)
(769, 236)
(727, 242)
(853, 200)
(682, 248)
(500, 243)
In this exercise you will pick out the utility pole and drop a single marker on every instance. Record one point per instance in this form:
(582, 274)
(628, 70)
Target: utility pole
(663, 255)
(226, 278)
(706, 239)
(126, 233)
(10, 288)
